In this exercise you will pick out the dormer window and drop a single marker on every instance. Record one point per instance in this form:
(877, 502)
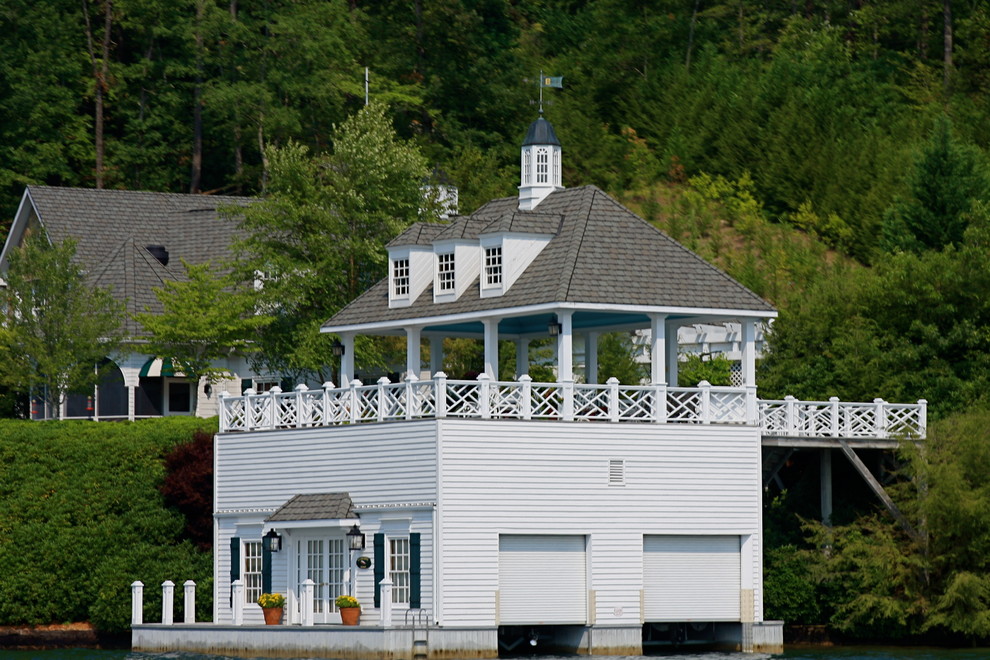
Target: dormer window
(400, 278)
(446, 282)
(493, 266)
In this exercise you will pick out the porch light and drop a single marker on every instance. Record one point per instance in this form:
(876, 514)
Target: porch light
(272, 541)
(337, 348)
(554, 327)
(355, 538)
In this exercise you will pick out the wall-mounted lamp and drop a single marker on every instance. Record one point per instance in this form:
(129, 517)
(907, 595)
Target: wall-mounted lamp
(554, 327)
(272, 541)
(337, 348)
(207, 389)
(355, 538)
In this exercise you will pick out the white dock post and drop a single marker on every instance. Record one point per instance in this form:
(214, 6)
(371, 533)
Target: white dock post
(189, 602)
(137, 603)
(168, 602)
(306, 605)
(386, 601)
(238, 590)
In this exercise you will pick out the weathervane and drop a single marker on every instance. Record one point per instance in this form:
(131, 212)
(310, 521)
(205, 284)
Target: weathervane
(549, 81)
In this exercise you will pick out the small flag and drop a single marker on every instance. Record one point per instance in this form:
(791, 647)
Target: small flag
(552, 81)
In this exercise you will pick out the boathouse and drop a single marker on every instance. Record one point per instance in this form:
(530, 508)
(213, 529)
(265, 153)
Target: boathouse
(473, 516)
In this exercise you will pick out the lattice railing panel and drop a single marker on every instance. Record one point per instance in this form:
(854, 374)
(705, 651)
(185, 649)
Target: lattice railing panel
(591, 401)
(547, 401)
(636, 404)
(463, 399)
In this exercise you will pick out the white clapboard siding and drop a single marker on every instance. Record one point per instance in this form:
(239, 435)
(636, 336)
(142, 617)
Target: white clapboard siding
(691, 578)
(542, 579)
(515, 477)
(375, 463)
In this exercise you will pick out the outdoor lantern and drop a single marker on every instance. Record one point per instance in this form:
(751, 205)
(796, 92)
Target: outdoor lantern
(337, 348)
(355, 538)
(554, 327)
(272, 541)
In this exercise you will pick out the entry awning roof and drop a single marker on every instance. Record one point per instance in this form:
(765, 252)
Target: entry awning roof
(315, 506)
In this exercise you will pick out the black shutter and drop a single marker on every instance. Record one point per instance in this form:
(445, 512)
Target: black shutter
(414, 570)
(235, 565)
(379, 567)
(246, 384)
(266, 569)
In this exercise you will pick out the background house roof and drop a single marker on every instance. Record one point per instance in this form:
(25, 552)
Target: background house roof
(113, 229)
(601, 253)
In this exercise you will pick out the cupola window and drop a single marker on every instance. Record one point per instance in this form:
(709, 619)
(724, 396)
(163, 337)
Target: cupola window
(400, 278)
(542, 165)
(527, 168)
(445, 272)
(493, 266)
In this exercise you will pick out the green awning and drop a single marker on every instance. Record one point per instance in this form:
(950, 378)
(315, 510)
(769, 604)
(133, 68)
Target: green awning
(159, 367)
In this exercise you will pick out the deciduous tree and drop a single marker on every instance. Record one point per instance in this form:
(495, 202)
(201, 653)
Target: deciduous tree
(58, 326)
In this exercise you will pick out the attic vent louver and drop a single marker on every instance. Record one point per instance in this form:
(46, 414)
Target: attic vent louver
(616, 472)
(159, 252)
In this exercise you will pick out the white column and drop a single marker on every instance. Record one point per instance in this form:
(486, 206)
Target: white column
(565, 346)
(237, 586)
(347, 359)
(672, 353)
(306, 602)
(591, 357)
(436, 354)
(491, 347)
(522, 357)
(749, 352)
(131, 392)
(413, 354)
(386, 601)
(658, 348)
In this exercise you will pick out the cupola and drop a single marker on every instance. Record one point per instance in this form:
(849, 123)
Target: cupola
(540, 164)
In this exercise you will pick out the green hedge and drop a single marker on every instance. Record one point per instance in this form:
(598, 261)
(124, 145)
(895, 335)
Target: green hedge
(81, 517)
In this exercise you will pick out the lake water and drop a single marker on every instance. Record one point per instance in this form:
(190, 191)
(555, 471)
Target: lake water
(805, 653)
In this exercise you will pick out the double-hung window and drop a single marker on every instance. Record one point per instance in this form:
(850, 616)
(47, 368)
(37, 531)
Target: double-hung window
(400, 278)
(252, 571)
(493, 266)
(398, 553)
(445, 273)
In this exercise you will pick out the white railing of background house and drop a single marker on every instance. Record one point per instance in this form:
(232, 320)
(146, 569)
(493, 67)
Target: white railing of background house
(568, 401)
(834, 418)
(168, 602)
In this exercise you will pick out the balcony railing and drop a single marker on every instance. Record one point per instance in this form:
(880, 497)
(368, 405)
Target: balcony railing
(567, 401)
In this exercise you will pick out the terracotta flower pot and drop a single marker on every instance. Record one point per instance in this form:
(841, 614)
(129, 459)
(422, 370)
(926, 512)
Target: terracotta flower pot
(273, 615)
(349, 615)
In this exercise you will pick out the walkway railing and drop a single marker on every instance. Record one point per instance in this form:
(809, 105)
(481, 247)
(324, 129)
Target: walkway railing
(566, 401)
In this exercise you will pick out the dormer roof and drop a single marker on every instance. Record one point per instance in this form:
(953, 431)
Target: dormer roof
(419, 233)
(600, 253)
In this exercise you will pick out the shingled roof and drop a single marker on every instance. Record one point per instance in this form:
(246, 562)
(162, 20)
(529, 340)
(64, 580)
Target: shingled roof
(600, 253)
(113, 228)
(315, 506)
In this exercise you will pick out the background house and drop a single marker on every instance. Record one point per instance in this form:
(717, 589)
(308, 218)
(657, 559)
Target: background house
(132, 242)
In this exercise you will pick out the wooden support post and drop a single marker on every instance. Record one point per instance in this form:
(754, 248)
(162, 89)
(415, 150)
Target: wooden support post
(877, 488)
(825, 473)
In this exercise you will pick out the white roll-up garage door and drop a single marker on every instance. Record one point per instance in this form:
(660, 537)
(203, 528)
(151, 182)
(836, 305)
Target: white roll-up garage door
(542, 580)
(691, 578)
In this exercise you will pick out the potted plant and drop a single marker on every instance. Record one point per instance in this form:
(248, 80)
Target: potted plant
(350, 609)
(272, 605)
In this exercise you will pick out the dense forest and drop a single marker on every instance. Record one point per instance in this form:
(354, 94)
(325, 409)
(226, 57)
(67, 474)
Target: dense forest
(830, 154)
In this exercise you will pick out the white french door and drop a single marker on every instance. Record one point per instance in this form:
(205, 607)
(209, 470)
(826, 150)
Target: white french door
(322, 559)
